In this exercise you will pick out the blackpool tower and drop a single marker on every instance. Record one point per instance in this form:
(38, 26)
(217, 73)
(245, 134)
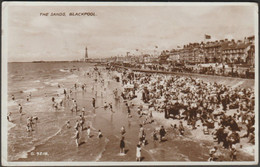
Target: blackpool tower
(86, 54)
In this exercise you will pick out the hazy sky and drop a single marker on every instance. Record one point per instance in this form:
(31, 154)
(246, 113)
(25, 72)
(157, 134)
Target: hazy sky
(118, 29)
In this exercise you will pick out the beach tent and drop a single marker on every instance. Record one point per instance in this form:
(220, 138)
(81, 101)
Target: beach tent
(129, 86)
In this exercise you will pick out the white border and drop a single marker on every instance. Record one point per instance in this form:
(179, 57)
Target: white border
(5, 6)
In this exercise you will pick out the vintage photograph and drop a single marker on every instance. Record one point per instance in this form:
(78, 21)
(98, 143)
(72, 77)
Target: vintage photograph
(129, 83)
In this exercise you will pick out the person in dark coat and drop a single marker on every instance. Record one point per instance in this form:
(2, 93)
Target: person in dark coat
(122, 145)
(162, 132)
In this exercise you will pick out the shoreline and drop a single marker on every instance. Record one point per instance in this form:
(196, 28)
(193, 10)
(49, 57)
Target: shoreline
(160, 120)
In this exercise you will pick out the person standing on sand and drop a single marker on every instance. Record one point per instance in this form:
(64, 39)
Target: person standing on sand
(162, 133)
(53, 99)
(93, 102)
(77, 137)
(122, 145)
(77, 125)
(141, 135)
(88, 131)
(65, 92)
(138, 153)
(83, 111)
(82, 121)
(75, 106)
(128, 111)
(20, 109)
(154, 135)
(29, 124)
(181, 128)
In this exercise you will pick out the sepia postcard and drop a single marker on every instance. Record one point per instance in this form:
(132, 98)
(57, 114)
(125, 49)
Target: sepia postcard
(129, 83)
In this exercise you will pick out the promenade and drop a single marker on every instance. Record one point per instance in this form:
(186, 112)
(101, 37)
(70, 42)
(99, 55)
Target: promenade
(228, 81)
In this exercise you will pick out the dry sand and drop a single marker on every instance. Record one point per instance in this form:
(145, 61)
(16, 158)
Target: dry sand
(197, 134)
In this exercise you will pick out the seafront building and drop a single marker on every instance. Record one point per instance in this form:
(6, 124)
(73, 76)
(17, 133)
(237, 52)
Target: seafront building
(223, 51)
(229, 52)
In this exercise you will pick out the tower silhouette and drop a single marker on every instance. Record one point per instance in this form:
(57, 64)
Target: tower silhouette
(86, 54)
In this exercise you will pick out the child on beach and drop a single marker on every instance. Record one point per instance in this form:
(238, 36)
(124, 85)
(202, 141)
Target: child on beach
(56, 106)
(233, 153)
(9, 117)
(122, 131)
(81, 121)
(111, 107)
(13, 98)
(77, 125)
(138, 153)
(105, 105)
(122, 146)
(154, 135)
(212, 153)
(99, 134)
(68, 124)
(61, 102)
(93, 102)
(29, 124)
(88, 131)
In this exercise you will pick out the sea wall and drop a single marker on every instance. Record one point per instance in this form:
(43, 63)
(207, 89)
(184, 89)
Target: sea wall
(228, 81)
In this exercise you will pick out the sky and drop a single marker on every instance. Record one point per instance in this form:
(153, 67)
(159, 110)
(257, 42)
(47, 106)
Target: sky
(116, 30)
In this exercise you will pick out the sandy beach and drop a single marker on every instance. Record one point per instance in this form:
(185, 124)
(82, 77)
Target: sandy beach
(193, 146)
(245, 149)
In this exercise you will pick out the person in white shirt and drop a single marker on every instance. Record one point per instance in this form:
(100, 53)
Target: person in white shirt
(138, 153)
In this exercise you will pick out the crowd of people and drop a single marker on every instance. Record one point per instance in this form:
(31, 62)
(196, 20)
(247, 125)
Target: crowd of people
(210, 69)
(186, 99)
(227, 111)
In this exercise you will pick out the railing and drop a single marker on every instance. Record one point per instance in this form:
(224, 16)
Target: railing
(202, 71)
